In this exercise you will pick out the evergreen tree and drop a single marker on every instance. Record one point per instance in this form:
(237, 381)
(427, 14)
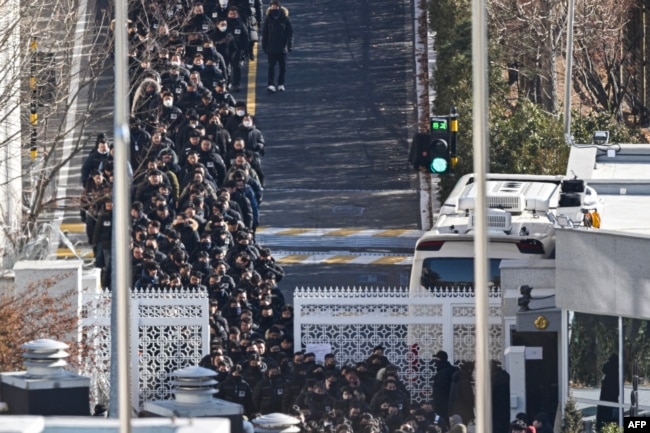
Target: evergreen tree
(572, 419)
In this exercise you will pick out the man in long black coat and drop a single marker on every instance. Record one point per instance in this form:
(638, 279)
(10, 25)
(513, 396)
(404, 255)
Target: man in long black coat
(277, 41)
(442, 383)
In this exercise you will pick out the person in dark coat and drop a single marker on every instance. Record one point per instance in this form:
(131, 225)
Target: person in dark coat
(210, 158)
(252, 136)
(199, 22)
(188, 230)
(318, 401)
(461, 392)
(500, 380)
(225, 44)
(277, 41)
(389, 392)
(99, 154)
(238, 29)
(236, 390)
(543, 423)
(442, 383)
(608, 392)
(268, 393)
(102, 241)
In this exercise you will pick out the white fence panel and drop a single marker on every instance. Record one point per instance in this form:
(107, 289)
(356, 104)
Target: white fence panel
(169, 331)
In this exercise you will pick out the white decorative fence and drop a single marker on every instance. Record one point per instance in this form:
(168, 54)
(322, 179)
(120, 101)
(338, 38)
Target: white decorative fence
(412, 326)
(169, 331)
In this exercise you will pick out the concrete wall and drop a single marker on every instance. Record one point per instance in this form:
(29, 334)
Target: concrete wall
(603, 272)
(57, 278)
(539, 274)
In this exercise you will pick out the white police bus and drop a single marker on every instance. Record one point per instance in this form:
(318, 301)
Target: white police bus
(521, 211)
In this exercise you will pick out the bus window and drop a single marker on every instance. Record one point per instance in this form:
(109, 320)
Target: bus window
(455, 272)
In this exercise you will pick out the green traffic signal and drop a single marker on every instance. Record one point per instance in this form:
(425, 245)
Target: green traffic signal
(439, 165)
(439, 156)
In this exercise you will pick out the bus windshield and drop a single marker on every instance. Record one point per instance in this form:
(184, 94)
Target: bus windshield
(451, 272)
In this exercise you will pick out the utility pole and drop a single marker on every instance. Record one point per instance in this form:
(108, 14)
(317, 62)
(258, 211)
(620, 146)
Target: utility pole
(121, 402)
(481, 139)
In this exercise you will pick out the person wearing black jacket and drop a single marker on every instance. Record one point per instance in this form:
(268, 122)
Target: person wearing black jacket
(236, 390)
(253, 138)
(277, 41)
(218, 134)
(241, 198)
(171, 115)
(99, 154)
(265, 264)
(199, 22)
(239, 31)
(209, 157)
(442, 383)
(225, 44)
(102, 241)
(268, 393)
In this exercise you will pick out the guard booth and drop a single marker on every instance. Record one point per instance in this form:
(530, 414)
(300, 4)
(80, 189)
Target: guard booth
(538, 332)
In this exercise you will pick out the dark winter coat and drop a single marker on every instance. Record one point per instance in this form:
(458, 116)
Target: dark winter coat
(268, 394)
(236, 390)
(277, 34)
(442, 386)
(461, 393)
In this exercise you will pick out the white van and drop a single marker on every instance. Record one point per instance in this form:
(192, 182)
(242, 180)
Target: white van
(521, 209)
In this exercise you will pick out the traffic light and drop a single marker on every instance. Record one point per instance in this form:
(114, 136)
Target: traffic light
(436, 151)
(419, 155)
(439, 155)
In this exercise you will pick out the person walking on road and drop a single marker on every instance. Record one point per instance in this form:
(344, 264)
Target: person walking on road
(277, 41)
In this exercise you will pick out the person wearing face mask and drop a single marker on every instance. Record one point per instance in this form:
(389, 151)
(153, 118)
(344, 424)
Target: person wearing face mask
(389, 392)
(173, 82)
(225, 44)
(199, 21)
(277, 41)
(318, 401)
(99, 154)
(222, 96)
(192, 97)
(182, 137)
(170, 114)
(206, 67)
(239, 31)
(236, 390)
(236, 119)
(252, 137)
(146, 100)
(232, 313)
(267, 394)
(176, 60)
(218, 134)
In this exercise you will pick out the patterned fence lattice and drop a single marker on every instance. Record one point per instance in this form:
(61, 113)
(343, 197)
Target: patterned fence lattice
(411, 325)
(169, 331)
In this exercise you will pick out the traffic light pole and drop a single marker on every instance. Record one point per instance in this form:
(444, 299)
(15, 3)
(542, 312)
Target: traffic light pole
(428, 191)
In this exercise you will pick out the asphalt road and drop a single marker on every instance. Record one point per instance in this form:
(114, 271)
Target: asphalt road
(338, 137)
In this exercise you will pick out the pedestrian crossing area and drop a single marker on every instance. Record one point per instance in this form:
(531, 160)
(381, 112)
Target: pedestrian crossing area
(294, 246)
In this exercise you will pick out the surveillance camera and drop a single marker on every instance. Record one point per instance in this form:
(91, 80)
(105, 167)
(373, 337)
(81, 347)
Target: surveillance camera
(601, 137)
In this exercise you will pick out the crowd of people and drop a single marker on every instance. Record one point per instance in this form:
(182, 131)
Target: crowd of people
(195, 151)
(197, 186)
